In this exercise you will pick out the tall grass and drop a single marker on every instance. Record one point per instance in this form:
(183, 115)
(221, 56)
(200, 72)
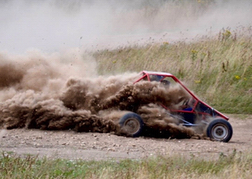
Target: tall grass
(235, 165)
(218, 68)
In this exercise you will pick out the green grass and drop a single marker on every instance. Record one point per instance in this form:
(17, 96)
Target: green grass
(218, 69)
(236, 165)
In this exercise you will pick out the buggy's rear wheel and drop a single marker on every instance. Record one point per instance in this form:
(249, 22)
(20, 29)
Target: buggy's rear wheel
(131, 124)
(219, 130)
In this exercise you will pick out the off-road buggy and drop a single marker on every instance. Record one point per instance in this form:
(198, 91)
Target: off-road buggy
(192, 113)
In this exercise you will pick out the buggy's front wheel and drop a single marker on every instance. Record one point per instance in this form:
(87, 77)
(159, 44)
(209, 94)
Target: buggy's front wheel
(219, 130)
(131, 124)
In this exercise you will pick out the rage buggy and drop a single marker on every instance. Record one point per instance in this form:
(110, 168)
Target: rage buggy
(218, 128)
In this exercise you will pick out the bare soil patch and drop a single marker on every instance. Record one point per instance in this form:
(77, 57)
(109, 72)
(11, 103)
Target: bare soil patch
(102, 146)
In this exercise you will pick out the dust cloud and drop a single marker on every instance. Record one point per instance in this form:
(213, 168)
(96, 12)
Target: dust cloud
(45, 92)
(56, 25)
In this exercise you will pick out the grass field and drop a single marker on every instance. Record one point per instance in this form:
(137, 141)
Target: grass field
(236, 165)
(218, 69)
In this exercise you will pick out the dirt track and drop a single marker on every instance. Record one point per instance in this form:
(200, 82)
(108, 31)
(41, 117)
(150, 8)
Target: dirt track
(100, 146)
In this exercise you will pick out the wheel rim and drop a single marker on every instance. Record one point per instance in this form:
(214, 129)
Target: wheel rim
(219, 132)
(131, 125)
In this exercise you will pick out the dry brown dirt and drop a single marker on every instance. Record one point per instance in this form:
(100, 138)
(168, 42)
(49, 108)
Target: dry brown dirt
(103, 146)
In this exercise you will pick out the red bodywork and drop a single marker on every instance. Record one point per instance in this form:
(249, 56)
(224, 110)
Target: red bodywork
(199, 107)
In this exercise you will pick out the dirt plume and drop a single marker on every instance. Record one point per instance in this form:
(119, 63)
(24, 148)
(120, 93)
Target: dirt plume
(10, 75)
(159, 123)
(36, 92)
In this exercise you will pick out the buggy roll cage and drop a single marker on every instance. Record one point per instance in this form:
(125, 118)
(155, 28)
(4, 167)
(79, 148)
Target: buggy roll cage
(199, 107)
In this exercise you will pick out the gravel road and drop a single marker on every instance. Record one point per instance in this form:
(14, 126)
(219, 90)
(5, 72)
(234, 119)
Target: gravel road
(103, 146)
